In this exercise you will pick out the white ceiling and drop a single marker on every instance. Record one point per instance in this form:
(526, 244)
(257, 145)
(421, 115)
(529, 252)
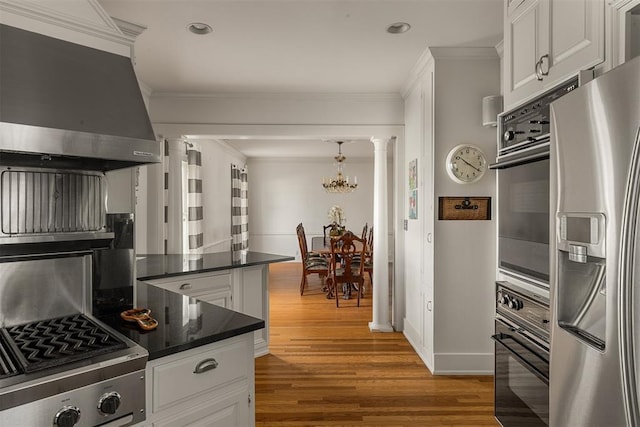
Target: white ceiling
(297, 46)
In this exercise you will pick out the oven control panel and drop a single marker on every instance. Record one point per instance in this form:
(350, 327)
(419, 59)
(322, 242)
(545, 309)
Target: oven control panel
(528, 124)
(523, 307)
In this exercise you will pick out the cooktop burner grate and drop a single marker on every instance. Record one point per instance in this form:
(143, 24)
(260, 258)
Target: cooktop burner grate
(7, 366)
(48, 343)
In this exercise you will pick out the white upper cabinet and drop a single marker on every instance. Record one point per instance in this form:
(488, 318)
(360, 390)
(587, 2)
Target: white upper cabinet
(546, 41)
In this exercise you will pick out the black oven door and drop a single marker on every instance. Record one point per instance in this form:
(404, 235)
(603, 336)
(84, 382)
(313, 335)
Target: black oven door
(523, 209)
(521, 378)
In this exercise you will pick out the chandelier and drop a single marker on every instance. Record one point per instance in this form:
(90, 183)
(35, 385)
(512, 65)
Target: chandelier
(339, 184)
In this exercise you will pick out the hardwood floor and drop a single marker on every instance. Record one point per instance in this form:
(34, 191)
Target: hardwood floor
(327, 369)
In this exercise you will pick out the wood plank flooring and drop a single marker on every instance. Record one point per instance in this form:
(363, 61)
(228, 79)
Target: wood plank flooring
(327, 369)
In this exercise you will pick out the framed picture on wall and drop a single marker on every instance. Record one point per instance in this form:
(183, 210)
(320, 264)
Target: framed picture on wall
(413, 174)
(413, 204)
(413, 189)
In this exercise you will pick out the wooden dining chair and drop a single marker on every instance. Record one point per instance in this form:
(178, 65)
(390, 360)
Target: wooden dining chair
(326, 232)
(365, 229)
(311, 263)
(368, 259)
(344, 271)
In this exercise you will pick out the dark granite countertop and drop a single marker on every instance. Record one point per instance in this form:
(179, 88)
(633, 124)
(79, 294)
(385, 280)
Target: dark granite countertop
(160, 266)
(183, 322)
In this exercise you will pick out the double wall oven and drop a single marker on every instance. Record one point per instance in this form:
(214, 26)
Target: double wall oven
(59, 364)
(522, 291)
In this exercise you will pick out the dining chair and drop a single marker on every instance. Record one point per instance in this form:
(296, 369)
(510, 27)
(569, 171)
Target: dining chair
(344, 271)
(365, 229)
(368, 263)
(311, 263)
(325, 231)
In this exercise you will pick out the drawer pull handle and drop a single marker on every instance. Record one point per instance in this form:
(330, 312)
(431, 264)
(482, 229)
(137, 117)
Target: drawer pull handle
(205, 365)
(185, 286)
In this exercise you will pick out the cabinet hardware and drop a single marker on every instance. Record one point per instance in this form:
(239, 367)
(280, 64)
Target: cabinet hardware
(539, 69)
(205, 365)
(185, 286)
(542, 58)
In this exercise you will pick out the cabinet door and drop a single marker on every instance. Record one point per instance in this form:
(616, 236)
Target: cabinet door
(428, 215)
(577, 37)
(215, 288)
(232, 411)
(253, 299)
(526, 37)
(222, 298)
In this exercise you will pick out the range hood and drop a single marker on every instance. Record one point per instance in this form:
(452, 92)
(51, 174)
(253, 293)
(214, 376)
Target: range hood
(63, 105)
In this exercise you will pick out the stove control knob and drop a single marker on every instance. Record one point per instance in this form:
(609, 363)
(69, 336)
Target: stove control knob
(515, 304)
(501, 298)
(68, 416)
(109, 403)
(510, 135)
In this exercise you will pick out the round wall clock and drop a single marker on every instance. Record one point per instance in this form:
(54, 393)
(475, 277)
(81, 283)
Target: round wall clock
(466, 163)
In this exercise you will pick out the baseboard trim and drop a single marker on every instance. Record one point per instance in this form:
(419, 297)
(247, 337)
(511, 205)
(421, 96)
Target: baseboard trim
(411, 334)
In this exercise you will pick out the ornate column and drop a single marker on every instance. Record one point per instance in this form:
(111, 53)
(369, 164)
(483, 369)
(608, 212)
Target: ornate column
(381, 319)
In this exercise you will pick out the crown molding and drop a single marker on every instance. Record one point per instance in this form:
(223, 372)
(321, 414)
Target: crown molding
(431, 54)
(294, 96)
(31, 15)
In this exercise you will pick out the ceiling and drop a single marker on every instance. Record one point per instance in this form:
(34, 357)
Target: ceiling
(297, 46)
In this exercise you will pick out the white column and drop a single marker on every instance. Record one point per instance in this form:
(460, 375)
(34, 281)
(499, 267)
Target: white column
(381, 319)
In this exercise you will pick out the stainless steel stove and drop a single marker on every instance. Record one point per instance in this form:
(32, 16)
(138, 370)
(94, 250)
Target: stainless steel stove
(89, 377)
(59, 365)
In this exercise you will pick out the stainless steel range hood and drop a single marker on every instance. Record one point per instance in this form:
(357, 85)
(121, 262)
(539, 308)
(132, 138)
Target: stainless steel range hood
(64, 105)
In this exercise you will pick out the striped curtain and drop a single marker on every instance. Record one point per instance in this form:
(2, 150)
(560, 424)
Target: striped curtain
(165, 196)
(194, 203)
(239, 209)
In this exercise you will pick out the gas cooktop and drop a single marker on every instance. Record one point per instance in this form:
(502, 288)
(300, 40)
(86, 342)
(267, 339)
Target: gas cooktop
(44, 344)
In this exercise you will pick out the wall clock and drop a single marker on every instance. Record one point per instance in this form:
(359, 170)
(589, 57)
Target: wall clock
(466, 163)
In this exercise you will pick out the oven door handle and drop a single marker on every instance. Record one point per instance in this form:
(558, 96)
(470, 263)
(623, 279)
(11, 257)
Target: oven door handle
(520, 161)
(498, 339)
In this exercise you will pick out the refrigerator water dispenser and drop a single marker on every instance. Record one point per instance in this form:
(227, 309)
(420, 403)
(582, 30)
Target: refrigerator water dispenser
(581, 293)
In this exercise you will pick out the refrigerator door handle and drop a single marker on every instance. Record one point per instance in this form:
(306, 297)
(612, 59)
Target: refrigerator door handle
(626, 283)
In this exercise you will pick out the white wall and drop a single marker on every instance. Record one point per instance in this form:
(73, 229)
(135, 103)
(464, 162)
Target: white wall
(217, 158)
(285, 192)
(465, 259)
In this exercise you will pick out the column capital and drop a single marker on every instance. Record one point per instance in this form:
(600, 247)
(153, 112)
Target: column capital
(380, 143)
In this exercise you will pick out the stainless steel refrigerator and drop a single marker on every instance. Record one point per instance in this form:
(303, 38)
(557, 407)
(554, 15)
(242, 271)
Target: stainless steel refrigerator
(595, 252)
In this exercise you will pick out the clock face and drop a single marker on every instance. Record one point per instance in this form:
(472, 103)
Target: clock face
(466, 163)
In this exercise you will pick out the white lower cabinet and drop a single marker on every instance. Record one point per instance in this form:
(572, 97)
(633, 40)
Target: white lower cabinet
(212, 385)
(215, 288)
(224, 412)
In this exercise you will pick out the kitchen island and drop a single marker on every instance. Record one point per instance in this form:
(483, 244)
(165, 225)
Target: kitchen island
(237, 281)
(201, 360)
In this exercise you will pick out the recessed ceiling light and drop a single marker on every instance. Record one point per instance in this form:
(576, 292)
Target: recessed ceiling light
(200, 28)
(398, 28)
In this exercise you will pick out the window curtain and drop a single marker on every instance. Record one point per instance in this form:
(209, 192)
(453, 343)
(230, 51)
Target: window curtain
(239, 209)
(194, 202)
(165, 196)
